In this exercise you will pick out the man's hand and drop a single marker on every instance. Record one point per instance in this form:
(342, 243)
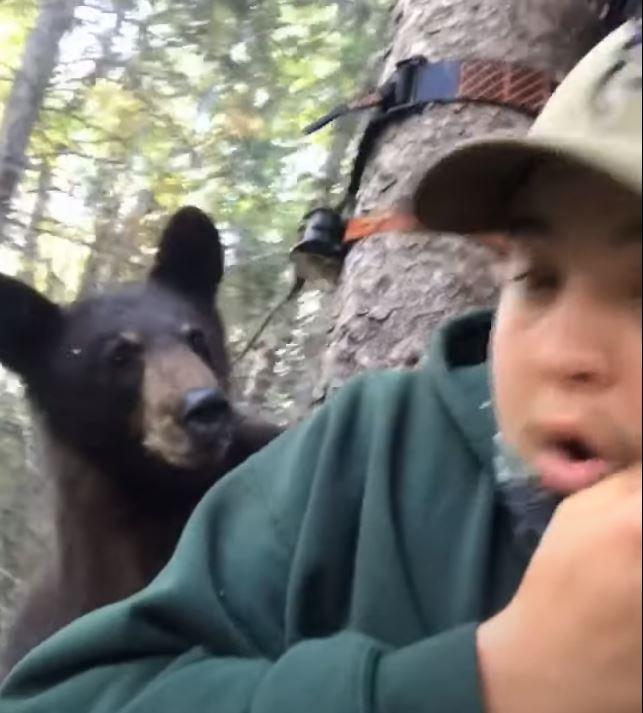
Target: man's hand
(570, 642)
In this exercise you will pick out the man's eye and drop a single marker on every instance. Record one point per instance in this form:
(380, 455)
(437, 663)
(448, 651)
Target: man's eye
(536, 280)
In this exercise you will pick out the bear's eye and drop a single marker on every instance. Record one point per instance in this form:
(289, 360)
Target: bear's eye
(198, 342)
(124, 353)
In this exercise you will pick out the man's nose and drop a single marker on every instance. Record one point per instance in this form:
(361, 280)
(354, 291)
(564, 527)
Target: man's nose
(575, 342)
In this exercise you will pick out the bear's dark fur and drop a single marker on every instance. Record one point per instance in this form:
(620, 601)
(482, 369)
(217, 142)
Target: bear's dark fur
(130, 390)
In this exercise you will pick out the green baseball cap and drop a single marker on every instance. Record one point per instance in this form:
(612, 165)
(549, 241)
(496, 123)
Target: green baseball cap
(594, 121)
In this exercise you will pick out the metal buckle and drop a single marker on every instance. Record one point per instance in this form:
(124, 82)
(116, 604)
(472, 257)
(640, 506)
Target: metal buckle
(418, 82)
(400, 92)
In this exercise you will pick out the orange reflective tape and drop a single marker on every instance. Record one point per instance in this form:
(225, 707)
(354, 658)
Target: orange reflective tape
(369, 225)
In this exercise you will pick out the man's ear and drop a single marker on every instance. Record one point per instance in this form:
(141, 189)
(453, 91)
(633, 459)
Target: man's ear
(29, 322)
(190, 256)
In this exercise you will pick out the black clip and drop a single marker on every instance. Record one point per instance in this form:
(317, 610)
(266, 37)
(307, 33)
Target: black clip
(401, 90)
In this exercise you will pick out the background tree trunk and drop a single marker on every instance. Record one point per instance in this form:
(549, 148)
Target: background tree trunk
(30, 253)
(396, 288)
(27, 94)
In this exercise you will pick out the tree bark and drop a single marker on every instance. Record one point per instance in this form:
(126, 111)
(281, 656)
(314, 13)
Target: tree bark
(27, 95)
(397, 287)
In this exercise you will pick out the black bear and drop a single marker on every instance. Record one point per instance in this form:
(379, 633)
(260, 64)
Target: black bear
(131, 393)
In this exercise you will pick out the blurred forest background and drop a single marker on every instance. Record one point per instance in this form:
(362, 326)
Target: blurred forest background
(151, 105)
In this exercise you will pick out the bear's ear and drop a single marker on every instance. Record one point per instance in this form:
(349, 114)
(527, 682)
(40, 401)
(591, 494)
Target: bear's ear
(190, 256)
(28, 324)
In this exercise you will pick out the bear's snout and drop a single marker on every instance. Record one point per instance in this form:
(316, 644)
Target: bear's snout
(188, 420)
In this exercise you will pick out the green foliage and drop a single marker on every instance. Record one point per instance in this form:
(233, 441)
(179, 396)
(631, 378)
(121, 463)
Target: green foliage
(194, 101)
(16, 19)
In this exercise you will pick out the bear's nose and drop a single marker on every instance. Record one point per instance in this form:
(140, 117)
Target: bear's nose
(203, 412)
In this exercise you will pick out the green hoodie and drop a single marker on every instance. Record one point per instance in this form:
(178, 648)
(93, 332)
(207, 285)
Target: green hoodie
(342, 570)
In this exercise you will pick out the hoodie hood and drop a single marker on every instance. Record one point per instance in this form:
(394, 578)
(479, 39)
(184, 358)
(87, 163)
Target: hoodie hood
(457, 363)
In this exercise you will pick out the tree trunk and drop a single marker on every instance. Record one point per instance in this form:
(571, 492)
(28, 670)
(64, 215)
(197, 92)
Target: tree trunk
(116, 238)
(30, 250)
(397, 287)
(27, 94)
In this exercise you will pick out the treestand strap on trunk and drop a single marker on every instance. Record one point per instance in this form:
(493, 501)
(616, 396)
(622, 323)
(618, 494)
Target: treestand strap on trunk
(513, 86)
(369, 225)
(420, 83)
(415, 84)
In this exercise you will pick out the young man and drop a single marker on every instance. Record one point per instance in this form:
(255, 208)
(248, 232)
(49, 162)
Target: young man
(387, 556)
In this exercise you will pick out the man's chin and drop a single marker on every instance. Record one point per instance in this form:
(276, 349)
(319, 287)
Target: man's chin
(530, 506)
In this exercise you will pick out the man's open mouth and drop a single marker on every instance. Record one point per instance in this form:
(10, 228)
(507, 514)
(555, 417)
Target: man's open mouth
(569, 463)
(577, 450)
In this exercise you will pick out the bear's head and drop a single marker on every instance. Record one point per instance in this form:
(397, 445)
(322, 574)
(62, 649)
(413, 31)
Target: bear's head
(136, 380)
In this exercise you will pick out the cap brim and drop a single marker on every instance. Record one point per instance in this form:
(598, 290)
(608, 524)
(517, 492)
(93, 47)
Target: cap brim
(469, 190)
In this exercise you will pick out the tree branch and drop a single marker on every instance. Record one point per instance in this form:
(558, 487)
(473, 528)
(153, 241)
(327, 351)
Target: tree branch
(294, 291)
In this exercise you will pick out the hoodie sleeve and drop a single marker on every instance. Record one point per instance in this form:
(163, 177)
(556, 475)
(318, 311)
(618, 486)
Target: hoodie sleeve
(210, 635)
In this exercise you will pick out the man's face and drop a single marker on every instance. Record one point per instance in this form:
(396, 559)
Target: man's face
(567, 341)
